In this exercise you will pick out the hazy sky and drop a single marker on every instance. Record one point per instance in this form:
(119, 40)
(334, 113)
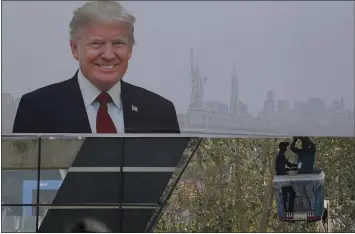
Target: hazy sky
(298, 49)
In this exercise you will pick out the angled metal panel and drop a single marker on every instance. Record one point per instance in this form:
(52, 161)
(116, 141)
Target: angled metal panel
(89, 188)
(144, 187)
(99, 152)
(58, 220)
(147, 187)
(153, 152)
(129, 180)
(135, 220)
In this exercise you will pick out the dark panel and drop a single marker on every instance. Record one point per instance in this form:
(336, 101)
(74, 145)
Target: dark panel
(153, 152)
(89, 187)
(151, 184)
(135, 220)
(99, 152)
(58, 220)
(104, 187)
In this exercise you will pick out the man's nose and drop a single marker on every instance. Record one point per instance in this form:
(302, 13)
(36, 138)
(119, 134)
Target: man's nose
(108, 53)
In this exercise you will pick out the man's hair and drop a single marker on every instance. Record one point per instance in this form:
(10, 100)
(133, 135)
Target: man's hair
(283, 145)
(103, 11)
(87, 225)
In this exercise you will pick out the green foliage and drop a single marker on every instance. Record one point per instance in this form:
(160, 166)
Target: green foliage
(236, 195)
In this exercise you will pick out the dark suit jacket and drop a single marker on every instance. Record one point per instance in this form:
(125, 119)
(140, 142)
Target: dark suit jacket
(59, 108)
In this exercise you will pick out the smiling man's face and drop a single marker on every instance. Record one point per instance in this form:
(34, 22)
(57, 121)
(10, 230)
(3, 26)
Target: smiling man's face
(103, 51)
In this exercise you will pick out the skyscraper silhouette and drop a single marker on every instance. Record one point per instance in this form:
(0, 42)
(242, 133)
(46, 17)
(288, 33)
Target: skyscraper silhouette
(234, 98)
(196, 98)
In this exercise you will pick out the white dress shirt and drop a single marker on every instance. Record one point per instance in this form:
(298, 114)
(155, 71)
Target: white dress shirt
(115, 108)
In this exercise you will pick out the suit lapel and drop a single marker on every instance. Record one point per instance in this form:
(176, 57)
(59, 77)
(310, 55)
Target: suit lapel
(79, 120)
(131, 108)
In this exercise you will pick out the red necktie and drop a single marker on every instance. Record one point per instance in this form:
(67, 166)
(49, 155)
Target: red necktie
(104, 123)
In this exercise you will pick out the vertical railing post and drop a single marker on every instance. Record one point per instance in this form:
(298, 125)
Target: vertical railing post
(122, 180)
(38, 181)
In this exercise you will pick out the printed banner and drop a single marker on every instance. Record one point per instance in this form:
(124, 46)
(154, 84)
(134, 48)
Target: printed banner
(202, 68)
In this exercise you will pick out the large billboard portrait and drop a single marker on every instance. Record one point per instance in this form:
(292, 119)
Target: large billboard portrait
(203, 68)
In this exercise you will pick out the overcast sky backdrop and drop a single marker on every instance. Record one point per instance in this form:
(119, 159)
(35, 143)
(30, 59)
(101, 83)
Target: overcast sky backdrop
(298, 49)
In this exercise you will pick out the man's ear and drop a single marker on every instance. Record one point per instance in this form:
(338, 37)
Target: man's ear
(74, 49)
(130, 52)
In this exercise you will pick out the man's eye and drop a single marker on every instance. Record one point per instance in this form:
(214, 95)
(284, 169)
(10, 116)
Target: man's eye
(118, 43)
(96, 44)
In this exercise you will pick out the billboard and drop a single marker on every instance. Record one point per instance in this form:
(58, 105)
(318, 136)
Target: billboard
(233, 68)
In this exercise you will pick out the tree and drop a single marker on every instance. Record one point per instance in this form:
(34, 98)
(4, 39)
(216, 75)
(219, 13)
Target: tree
(228, 187)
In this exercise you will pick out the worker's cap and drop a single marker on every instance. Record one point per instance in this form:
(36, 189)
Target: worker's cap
(283, 144)
(305, 139)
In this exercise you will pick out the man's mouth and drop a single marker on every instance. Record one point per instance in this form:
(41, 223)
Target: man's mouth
(107, 66)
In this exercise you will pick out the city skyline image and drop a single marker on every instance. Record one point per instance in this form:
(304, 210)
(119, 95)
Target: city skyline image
(280, 117)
